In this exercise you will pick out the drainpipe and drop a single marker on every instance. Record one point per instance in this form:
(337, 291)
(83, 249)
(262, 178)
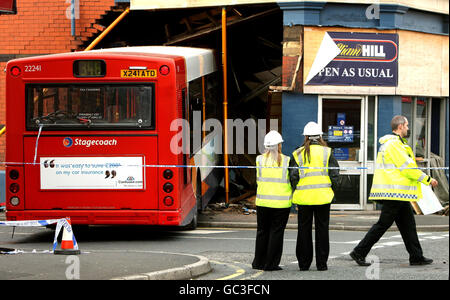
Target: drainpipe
(72, 17)
(108, 29)
(225, 100)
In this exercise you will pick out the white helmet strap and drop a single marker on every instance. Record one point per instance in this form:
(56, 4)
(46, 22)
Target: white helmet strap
(271, 147)
(314, 137)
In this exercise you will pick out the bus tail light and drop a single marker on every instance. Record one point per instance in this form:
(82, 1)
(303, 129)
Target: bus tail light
(14, 188)
(168, 174)
(168, 187)
(168, 201)
(14, 174)
(15, 193)
(15, 71)
(164, 70)
(14, 201)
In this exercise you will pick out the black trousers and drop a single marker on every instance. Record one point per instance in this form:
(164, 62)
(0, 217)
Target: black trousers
(402, 214)
(304, 250)
(269, 236)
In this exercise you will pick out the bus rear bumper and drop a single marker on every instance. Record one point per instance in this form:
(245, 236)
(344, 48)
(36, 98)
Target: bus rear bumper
(102, 217)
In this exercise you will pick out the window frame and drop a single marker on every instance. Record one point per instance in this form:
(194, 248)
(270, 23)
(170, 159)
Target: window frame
(107, 127)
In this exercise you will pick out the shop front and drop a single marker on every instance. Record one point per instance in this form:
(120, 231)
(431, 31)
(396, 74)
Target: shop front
(353, 81)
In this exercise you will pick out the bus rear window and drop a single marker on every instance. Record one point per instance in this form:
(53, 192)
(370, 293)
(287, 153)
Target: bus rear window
(90, 106)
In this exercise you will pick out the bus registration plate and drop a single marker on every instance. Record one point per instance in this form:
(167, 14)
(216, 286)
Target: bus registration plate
(138, 73)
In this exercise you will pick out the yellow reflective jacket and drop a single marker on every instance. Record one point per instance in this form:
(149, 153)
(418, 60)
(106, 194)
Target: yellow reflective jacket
(396, 175)
(274, 189)
(314, 185)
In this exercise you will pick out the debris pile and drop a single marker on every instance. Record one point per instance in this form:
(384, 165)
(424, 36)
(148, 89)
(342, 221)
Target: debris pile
(244, 204)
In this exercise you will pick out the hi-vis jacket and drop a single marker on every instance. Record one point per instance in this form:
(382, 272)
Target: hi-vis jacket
(274, 189)
(314, 185)
(395, 177)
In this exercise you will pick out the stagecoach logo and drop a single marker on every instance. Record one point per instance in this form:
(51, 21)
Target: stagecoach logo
(67, 142)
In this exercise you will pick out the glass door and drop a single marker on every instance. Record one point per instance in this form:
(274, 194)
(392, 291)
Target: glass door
(343, 123)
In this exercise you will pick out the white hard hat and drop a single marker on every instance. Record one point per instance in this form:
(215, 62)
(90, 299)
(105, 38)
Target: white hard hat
(312, 128)
(272, 139)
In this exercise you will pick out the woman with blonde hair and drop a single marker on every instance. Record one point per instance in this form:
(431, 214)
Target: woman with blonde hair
(273, 203)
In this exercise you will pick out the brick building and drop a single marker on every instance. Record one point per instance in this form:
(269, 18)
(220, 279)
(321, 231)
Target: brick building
(29, 27)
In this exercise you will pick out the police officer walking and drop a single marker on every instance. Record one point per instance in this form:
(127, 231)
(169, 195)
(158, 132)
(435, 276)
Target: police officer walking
(396, 183)
(313, 184)
(273, 202)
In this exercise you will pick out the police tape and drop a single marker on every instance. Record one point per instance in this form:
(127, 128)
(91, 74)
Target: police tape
(60, 223)
(241, 167)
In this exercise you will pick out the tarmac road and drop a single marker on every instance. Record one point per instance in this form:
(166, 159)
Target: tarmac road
(212, 253)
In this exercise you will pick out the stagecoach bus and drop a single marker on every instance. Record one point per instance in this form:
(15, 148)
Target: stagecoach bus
(93, 136)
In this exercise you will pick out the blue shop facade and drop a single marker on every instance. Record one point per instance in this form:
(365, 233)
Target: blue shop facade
(351, 68)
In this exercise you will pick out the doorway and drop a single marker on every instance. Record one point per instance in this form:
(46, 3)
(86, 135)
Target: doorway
(343, 121)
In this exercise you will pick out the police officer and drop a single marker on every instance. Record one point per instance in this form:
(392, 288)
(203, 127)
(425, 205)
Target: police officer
(273, 202)
(396, 183)
(313, 183)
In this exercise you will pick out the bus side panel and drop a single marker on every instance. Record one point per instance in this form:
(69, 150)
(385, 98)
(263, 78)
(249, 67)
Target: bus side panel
(82, 194)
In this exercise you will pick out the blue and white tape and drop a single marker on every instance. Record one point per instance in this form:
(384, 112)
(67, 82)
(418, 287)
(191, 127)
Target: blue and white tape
(30, 223)
(60, 223)
(243, 167)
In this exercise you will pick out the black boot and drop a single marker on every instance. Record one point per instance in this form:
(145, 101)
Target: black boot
(359, 259)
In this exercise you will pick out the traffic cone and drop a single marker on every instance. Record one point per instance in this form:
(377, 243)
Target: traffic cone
(68, 244)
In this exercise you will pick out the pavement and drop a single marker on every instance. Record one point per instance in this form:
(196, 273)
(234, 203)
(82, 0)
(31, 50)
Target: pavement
(177, 266)
(237, 217)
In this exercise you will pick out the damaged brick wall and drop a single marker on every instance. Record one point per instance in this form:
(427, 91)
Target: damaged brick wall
(292, 52)
(43, 27)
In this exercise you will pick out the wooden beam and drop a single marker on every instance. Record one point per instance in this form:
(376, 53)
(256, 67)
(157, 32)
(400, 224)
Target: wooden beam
(231, 21)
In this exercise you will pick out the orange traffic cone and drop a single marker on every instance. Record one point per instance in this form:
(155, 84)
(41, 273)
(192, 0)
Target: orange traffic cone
(69, 245)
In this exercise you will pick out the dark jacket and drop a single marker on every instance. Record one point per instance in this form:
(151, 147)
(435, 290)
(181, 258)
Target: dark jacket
(294, 176)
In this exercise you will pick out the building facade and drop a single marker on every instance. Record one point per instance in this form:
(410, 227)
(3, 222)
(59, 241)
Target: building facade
(348, 65)
(362, 64)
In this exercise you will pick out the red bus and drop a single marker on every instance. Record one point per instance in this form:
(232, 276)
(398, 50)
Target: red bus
(88, 132)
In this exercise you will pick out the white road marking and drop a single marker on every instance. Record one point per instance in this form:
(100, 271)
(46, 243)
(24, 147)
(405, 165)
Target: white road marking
(434, 237)
(201, 231)
(391, 243)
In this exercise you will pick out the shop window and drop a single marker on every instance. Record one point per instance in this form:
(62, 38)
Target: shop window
(371, 128)
(438, 124)
(420, 128)
(407, 111)
(416, 110)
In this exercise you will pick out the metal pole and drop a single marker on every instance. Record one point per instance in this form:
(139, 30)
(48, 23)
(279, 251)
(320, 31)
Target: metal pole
(107, 30)
(225, 100)
(72, 17)
(203, 107)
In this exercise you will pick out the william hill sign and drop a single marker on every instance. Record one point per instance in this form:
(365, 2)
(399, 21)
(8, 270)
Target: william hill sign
(353, 58)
